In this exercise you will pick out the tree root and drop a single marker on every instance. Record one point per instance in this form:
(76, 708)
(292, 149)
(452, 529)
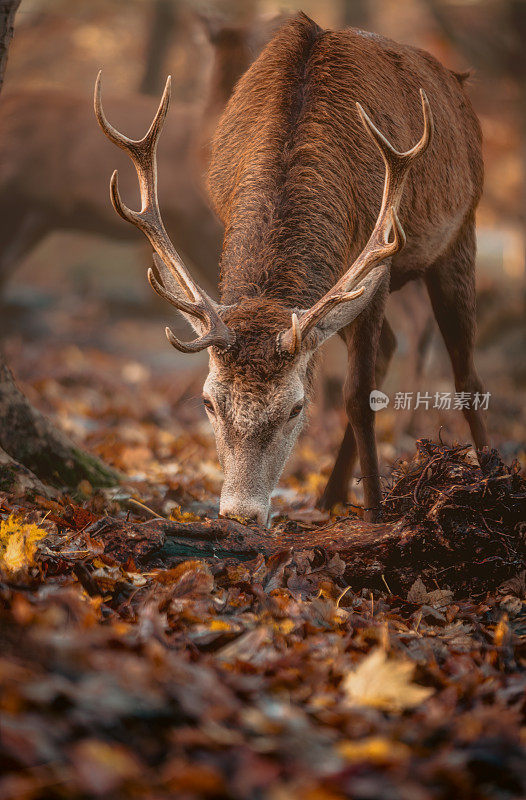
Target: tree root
(33, 441)
(19, 480)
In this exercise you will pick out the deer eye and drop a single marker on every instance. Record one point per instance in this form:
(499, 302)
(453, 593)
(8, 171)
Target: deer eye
(296, 410)
(208, 405)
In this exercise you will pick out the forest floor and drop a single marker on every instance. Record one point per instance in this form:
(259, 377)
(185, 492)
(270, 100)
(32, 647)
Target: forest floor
(125, 673)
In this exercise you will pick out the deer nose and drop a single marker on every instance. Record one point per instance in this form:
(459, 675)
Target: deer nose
(246, 509)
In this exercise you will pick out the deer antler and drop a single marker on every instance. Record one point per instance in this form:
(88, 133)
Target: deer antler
(188, 297)
(378, 248)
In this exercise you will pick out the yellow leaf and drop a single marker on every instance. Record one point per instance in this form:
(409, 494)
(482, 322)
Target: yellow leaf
(376, 749)
(85, 487)
(18, 544)
(178, 515)
(285, 626)
(384, 683)
(501, 631)
(219, 625)
(315, 481)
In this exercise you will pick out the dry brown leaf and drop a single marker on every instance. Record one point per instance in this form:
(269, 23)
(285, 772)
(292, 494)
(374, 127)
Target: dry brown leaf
(418, 592)
(384, 683)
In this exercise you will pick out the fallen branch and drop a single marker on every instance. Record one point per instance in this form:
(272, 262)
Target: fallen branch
(373, 555)
(448, 520)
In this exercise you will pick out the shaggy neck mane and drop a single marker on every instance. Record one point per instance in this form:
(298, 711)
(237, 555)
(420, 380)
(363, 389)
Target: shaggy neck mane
(287, 231)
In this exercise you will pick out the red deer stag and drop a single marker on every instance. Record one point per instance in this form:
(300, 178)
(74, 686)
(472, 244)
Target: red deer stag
(296, 177)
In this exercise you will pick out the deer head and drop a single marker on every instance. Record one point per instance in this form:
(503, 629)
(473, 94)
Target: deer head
(260, 352)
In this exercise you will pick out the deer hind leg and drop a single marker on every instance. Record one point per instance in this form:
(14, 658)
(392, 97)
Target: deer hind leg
(371, 344)
(451, 286)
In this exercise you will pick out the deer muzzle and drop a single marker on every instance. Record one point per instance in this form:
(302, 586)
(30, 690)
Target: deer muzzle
(245, 508)
(247, 486)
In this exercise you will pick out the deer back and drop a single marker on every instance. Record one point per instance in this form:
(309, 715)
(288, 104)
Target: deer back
(298, 183)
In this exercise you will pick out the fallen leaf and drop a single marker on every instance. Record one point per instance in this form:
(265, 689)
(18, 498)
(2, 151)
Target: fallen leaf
(384, 683)
(418, 592)
(377, 749)
(501, 631)
(103, 767)
(18, 544)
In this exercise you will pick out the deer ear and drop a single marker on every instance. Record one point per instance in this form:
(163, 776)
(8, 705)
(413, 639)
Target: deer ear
(345, 313)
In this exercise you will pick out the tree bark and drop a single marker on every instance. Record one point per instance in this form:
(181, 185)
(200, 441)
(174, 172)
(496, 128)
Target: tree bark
(30, 438)
(17, 480)
(8, 9)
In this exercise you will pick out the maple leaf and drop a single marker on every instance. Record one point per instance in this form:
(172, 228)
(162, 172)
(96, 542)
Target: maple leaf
(18, 544)
(384, 683)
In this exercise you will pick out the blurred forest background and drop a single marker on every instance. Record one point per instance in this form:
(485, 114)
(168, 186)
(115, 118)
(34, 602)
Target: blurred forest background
(81, 328)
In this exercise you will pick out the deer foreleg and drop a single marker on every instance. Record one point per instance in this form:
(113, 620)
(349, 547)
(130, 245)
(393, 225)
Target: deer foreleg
(370, 344)
(337, 487)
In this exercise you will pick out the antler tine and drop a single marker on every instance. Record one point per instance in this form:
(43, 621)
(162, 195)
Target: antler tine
(379, 248)
(296, 336)
(397, 166)
(299, 331)
(180, 305)
(384, 145)
(151, 136)
(210, 339)
(143, 154)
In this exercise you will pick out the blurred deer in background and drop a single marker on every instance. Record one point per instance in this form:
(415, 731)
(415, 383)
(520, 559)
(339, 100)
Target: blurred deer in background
(235, 47)
(53, 171)
(296, 177)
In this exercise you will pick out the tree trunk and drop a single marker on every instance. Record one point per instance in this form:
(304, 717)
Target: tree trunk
(30, 438)
(17, 480)
(232, 57)
(500, 54)
(162, 27)
(8, 9)
(356, 14)
(517, 66)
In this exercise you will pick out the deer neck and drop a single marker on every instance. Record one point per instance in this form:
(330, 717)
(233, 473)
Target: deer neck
(290, 262)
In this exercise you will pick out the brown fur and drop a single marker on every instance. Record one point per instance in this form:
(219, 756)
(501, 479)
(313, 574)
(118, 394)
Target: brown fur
(254, 358)
(297, 183)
